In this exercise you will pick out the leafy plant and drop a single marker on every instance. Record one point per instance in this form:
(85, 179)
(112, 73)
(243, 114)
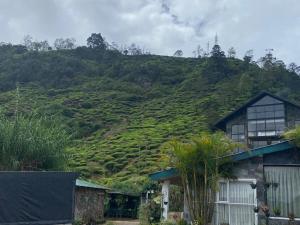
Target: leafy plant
(277, 211)
(144, 214)
(199, 162)
(32, 143)
(167, 222)
(294, 135)
(182, 222)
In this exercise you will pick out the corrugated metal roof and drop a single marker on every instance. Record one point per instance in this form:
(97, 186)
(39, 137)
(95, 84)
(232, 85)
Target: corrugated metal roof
(83, 183)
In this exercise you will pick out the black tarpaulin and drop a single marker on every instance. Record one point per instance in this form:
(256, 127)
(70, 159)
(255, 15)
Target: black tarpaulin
(36, 197)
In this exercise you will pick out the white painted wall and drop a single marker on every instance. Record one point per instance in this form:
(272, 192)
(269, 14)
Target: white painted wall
(165, 198)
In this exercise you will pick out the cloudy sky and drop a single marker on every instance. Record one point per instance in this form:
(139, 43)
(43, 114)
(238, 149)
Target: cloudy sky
(161, 26)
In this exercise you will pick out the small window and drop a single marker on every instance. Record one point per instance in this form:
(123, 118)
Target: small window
(238, 132)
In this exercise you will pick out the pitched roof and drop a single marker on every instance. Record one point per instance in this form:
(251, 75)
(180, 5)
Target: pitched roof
(221, 123)
(282, 146)
(86, 184)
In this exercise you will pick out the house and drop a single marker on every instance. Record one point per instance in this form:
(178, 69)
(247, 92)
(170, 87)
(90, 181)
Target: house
(267, 185)
(261, 121)
(89, 201)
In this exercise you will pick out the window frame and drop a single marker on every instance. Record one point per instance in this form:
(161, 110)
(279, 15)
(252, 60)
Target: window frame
(263, 121)
(265, 193)
(227, 181)
(238, 133)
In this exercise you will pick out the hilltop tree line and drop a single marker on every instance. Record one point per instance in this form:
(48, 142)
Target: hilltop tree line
(97, 41)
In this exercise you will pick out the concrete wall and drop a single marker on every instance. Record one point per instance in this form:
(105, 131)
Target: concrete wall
(89, 204)
(253, 169)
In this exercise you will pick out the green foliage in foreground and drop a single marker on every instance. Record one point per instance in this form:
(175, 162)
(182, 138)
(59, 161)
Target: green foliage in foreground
(31, 143)
(201, 163)
(120, 109)
(293, 135)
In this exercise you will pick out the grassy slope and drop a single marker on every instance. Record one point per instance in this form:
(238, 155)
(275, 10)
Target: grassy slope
(122, 108)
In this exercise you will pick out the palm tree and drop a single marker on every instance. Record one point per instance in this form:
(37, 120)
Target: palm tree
(201, 162)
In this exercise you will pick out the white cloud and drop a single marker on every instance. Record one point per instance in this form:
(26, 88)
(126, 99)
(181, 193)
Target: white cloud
(162, 26)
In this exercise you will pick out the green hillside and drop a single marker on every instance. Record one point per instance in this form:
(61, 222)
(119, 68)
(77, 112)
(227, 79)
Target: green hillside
(120, 109)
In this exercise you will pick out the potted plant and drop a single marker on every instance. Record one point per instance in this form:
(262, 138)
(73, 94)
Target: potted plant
(253, 185)
(267, 184)
(291, 216)
(266, 210)
(277, 211)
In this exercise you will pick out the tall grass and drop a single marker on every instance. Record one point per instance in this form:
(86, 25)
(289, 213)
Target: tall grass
(32, 143)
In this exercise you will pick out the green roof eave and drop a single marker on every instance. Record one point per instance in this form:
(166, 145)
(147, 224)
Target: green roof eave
(164, 174)
(282, 146)
(86, 184)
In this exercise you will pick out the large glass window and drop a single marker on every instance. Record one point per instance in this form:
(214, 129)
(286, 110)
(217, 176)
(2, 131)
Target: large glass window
(235, 203)
(238, 133)
(266, 118)
(283, 190)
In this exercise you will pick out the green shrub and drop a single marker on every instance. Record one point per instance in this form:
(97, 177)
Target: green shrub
(167, 222)
(182, 222)
(294, 135)
(144, 214)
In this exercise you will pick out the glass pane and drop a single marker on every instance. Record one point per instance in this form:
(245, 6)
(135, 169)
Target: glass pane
(270, 114)
(283, 193)
(221, 214)
(261, 115)
(251, 109)
(270, 133)
(242, 215)
(235, 137)
(279, 114)
(260, 109)
(241, 192)
(270, 125)
(234, 129)
(279, 107)
(241, 129)
(223, 192)
(261, 134)
(252, 126)
(251, 116)
(251, 134)
(261, 126)
(269, 108)
(267, 100)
